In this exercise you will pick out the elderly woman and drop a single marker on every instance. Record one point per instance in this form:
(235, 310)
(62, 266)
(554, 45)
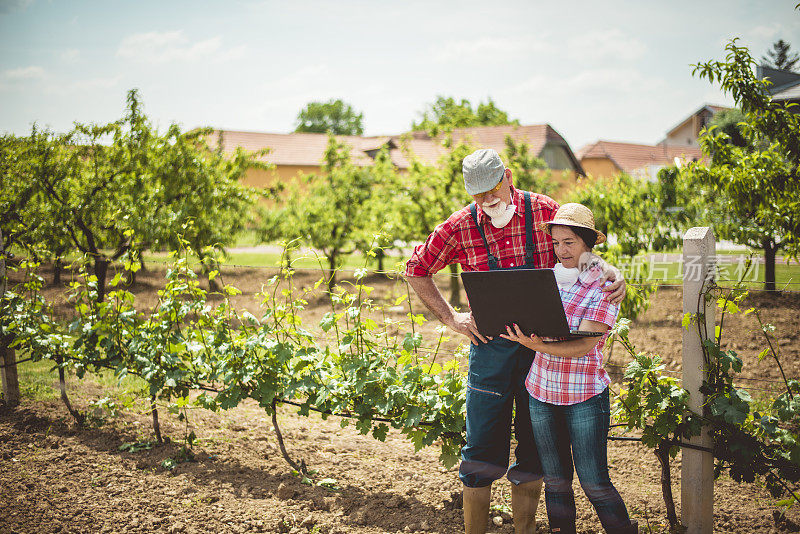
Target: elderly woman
(569, 401)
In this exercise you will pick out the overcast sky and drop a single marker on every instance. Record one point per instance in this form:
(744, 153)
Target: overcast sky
(615, 70)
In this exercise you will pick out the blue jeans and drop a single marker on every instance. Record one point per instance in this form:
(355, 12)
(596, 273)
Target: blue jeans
(496, 383)
(584, 428)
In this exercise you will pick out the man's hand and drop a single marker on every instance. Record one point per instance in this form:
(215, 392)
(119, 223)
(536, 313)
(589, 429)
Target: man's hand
(429, 294)
(616, 291)
(464, 323)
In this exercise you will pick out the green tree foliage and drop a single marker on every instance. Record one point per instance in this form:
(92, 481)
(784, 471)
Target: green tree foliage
(357, 363)
(305, 212)
(334, 116)
(752, 191)
(28, 222)
(446, 113)
(779, 57)
(430, 194)
(200, 192)
(332, 214)
(112, 190)
(728, 122)
(383, 227)
(642, 216)
(91, 192)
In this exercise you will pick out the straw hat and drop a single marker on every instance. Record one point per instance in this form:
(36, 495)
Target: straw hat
(574, 214)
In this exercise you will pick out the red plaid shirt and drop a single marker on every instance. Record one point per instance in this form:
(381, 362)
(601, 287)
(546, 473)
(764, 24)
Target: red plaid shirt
(457, 240)
(557, 380)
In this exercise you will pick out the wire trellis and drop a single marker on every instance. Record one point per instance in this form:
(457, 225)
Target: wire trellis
(669, 282)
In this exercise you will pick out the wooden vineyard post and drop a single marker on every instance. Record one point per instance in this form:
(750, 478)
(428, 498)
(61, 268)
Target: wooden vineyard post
(697, 467)
(8, 359)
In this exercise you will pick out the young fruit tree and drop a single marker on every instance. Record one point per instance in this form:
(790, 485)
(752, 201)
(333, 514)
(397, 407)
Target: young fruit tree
(331, 213)
(110, 191)
(752, 192)
(430, 194)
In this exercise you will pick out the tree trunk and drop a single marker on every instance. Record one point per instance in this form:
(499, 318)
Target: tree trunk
(207, 265)
(57, 268)
(101, 271)
(662, 453)
(455, 286)
(769, 264)
(332, 257)
(62, 385)
(8, 360)
(380, 254)
(7, 355)
(130, 278)
(156, 424)
(301, 467)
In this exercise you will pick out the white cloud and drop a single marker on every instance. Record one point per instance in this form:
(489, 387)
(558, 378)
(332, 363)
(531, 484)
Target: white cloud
(232, 54)
(495, 48)
(306, 80)
(589, 83)
(94, 83)
(764, 32)
(81, 86)
(167, 47)
(70, 55)
(32, 72)
(599, 44)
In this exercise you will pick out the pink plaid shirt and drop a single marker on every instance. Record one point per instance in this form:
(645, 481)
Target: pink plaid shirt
(457, 240)
(563, 381)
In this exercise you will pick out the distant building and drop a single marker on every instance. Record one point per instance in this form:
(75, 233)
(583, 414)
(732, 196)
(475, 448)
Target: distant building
(294, 154)
(687, 131)
(607, 158)
(785, 86)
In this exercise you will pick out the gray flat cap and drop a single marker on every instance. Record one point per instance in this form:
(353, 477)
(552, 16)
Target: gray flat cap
(482, 170)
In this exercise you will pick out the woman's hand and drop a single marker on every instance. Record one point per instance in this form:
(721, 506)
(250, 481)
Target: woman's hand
(533, 342)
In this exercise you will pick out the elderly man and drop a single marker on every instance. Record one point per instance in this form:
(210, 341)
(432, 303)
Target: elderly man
(500, 230)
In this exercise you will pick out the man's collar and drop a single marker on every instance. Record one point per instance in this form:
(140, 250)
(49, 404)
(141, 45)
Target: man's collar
(517, 198)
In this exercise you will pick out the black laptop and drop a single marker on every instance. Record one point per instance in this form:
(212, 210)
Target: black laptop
(527, 297)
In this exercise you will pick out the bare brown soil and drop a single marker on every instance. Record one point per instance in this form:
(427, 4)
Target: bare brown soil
(56, 477)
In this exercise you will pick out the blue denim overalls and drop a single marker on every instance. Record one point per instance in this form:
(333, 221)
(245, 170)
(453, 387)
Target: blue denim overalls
(497, 372)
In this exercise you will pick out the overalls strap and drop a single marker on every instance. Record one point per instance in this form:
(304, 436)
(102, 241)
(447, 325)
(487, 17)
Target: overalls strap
(528, 231)
(494, 263)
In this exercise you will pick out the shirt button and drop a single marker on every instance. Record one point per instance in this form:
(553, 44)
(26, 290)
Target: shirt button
(508, 242)
(512, 264)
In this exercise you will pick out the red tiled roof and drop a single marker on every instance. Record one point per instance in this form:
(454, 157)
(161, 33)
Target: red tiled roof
(630, 157)
(535, 135)
(309, 148)
(290, 149)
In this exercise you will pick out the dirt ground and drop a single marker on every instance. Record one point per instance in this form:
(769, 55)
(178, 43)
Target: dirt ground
(56, 477)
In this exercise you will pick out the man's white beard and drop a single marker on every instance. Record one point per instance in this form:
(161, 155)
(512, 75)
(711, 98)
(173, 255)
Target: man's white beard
(500, 213)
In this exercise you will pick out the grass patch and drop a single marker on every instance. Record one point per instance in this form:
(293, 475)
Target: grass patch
(38, 381)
